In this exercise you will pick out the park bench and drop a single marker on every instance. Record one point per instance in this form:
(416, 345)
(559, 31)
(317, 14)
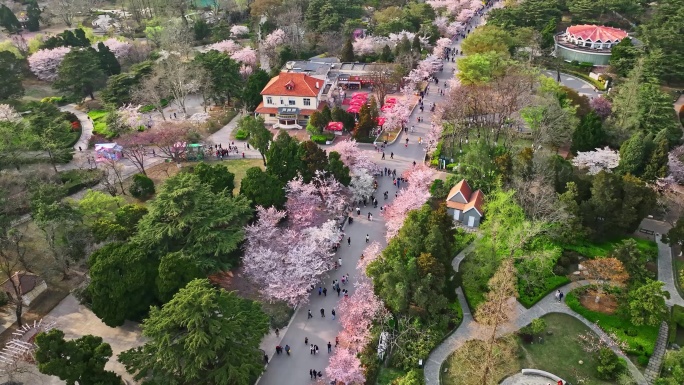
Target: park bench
(646, 231)
(542, 373)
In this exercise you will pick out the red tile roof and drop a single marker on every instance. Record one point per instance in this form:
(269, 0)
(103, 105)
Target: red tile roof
(461, 187)
(475, 202)
(595, 33)
(293, 84)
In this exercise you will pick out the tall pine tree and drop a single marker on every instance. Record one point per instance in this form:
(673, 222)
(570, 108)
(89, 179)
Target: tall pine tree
(110, 66)
(347, 54)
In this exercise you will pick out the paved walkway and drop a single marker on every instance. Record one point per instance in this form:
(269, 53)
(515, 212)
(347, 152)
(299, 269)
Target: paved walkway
(86, 127)
(580, 85)
(665, 266)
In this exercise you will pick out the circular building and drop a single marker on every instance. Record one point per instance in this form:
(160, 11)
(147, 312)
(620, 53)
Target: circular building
(588, 43)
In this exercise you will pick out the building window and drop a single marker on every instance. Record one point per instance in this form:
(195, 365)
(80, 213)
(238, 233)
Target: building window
(282, 102)
(271, 115)
(269, 100)
(291, 102)
(307, 101)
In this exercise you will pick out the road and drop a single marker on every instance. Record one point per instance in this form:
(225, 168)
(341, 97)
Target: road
(294, 369)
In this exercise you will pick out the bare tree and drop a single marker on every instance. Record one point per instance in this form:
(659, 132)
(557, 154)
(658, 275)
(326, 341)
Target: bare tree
(152, 91)
(112, 171)
(13, 260)
(179, 80)
(66, 10)
(290, 21)
(135, 148)
(383, 82)
(170, 138)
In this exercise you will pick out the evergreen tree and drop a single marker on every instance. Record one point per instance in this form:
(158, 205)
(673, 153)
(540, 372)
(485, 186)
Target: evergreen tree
(8, 19)
(80, 73)
(283, 158)
(365, 124)
(416, 44)
(326, 115)
(386, 54)
(623, 56)
(262, 189)
(347, 54)
(656, 166)
(10, 76)
(110, 66)
(337, 168)
(633, 154)
(589, 133)
(373, 109)
(33, 14)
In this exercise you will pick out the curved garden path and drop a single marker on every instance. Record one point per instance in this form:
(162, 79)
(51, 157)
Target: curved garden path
(469, 329)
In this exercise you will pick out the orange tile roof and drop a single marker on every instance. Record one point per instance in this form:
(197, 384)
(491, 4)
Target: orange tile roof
(461, 187)
(299, 85)
(595, 33)
(456, 205)
(475, 202)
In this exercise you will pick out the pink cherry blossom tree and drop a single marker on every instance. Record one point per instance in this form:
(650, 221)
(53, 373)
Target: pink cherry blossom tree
(354, 158)
(410, 198)
(398, 115)
(226, 46)
(676, 165)
(247, 56)
(284, 262)
(602, 106)
(120, 49)
(246, 70)
(441, 22)
(239, 30)
(602, 159)
(344, 366)
(130, 116)
(440, 45)
(370, 254)
(303, 202)
(455, 28)
(45, 62)
(8, 114)
(367, 45)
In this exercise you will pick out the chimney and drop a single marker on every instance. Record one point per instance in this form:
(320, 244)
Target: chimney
(318, 85)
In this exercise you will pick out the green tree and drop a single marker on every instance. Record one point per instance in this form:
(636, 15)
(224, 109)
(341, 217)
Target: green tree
(589, 134)
(80, 73)
(609, 364)
(623, 56)
(262, 189)
(108, 62)
(316, 122)
(33, 14)
(251, 94)
(675, 236)
(340, 115)
(142, 187)
(202, 335)
(119, 88)
(8, 19)
(668, 15)
(657, 163)
(79, 361)
(187, 217)
(583, 11)
(489, 38)
(259, 136)
(481, 68)
(217, 176)
(647, 304)
(122, 282)
(386, 55)
(10, 76)
(224, 75)
(633, 154)
(347, 54)
(365, 125)
(633, 259)
(312, 158)
(201, 29)
(283, 157)
(337, 168)
(326, 115)
(97, 206)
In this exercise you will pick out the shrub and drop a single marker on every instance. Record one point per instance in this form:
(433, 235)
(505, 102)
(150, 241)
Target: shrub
(76, 180)
(643, 360)
(609, 364)
(678, 315)
(528, 297)
(320, 139)
(643, 341)
(142, 187)
(241, 134)
(58, 100)
(3, 298)
(559, 270)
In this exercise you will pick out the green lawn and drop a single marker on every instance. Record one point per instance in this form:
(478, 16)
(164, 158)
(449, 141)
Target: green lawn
(600, 249)
(561, 352)
(388, 375)
(99, 118)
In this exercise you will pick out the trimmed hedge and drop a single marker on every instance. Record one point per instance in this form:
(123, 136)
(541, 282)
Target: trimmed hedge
(551, 283)
(241, 134)
(642, 339)
(320, 139)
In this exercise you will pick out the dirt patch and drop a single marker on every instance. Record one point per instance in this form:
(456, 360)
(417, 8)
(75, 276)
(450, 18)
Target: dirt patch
(607, 305)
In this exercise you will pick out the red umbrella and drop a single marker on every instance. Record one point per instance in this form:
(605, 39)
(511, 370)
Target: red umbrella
(387, 107)
(360, 95)
(391, 100)
(381, 121)
(354, 109)
(335, 126)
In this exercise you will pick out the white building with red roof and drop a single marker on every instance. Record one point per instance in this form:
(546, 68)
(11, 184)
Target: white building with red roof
(588, 43)
(464, 205)
(289, 99)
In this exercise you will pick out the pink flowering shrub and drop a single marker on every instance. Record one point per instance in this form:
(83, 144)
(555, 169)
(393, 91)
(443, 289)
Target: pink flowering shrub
(45, 62)
(120, 49)
(226, 46)
(274, 39)
(602, 106)
(246, 56)
(239, 30)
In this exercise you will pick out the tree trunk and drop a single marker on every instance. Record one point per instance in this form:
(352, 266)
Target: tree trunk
(18, 311)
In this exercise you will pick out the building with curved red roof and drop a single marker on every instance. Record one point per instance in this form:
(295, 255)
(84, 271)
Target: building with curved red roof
(588, 43)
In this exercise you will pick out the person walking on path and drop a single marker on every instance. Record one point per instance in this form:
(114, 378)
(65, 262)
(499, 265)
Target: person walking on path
(339, 262)
(383, 156)
(306, 340)
(277, 332)
(329, 347)
(325, 291)
(323, 313)
(287, 349)
(349, 241)
(560, 296)
(367, 238)
(311, 349)
(315, 349)
(338, 291)
(369, 216)
(320, 290)
(337, 341)
(311, 374)
(333, 314)
(391, 155)
(310, 315)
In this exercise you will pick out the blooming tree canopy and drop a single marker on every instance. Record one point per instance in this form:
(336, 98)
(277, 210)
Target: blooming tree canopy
(226, 46)
(130, 116)
(352, 157)
(410, 198)
(602, 106)
(120, 49)
(285, 263)
(8, 114)
(311, 203)
(602, 159)
(247, 56)
(274, 39)
(239, 30)
(369, 45)
(440, 45)
(344, 366)
(246, 70)
(441, 22)
(398, 115)
(361, 185)
(45, 62)
(675, 164)
(370, 254)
